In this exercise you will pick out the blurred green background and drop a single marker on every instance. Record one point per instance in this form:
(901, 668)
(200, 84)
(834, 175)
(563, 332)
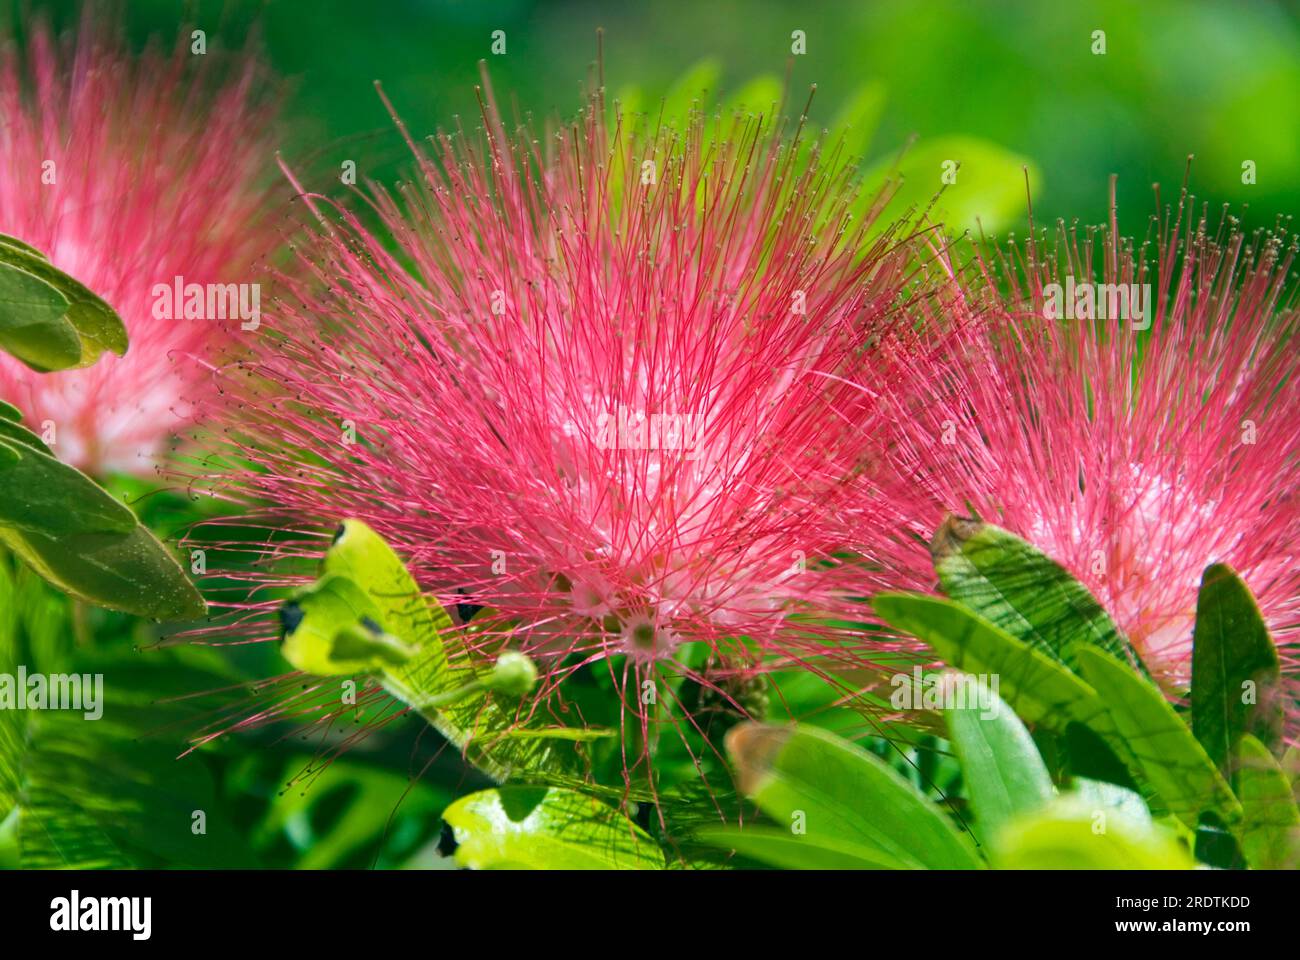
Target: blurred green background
(1220, 80)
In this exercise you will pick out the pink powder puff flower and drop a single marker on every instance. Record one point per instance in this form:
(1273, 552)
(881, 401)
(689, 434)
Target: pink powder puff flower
(609, 386)
(129, 173)
(1134, 448)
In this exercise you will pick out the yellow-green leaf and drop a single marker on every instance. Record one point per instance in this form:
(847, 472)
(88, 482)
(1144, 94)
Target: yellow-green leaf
(547, 828)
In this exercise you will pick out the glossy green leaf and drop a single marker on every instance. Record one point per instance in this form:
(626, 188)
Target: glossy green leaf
(1169, 756)
(32, 324)
(1003, 772)
(48, 319)
(44, 495)
(781, 848)
(9, 412)
(1075, 835)
(547, 828)
(1236, 678)
(1270, 826)
(837, 793)
(130, 571)
(1019, 588)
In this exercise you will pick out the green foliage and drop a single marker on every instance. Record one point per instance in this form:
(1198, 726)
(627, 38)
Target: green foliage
(844, 799)
(1037, 687)
(1003, 771)
(56, 518)
(1059, 662)
(1270, 831)
(1075, 835)
(48, 320)
(1236, 677)
(366, 614)
(547, 828)
(989, 189)
(82, 792)
(1020, 589)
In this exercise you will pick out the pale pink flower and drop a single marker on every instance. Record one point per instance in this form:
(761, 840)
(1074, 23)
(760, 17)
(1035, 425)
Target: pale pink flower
(129, 172)
(1134, 457)
(610, 386)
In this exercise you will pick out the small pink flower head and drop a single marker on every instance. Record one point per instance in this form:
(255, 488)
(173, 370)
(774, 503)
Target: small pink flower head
(1137, 421)
(130, 173)
(613, 386)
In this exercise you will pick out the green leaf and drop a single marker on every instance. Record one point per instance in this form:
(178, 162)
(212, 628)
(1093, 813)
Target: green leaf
(1022, 590)
(1169, 756)
(32, 324)
(780, 848)
(1072, 834)
(989, 191)
(9, 412)
(48, 319)
(44, 495)
(1236, 677)
(132, 572)
(15, 244)
(417, 670)
(838, 793)
(1270, 827)
(350, 815)
(1001, 767)
(82, 791)
(761, 95)
(547, 828)
(693, 89)
(1037, 687)
(80, 538)
(1107, 796)
(333, 627)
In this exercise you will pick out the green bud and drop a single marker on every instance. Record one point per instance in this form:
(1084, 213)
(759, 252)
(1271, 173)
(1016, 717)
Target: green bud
(514, 674)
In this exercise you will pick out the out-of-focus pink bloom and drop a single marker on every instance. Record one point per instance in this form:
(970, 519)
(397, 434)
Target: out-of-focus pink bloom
(615, 388)
(130, 172)
(1137, 448)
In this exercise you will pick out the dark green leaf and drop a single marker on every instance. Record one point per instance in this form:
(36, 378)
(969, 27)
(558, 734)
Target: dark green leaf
(49, 320)
(46, 496)
(1022, 590)
(1235, 672)
(128, 571)
(1170, 758)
